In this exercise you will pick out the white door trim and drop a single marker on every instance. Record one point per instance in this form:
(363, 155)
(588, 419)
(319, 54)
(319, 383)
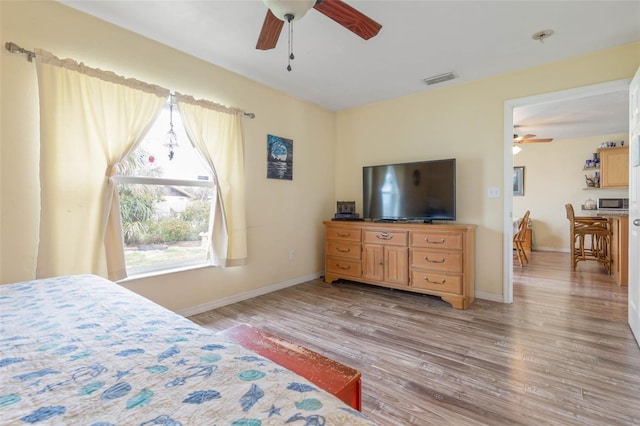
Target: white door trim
(634, 207)
(563, 95)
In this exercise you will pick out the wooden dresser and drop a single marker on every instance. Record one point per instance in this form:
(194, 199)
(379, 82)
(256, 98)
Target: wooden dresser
(432, 259)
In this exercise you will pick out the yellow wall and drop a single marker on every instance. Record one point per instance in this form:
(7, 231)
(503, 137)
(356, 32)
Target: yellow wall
(280, 214)
(464, 121)
(554, 176)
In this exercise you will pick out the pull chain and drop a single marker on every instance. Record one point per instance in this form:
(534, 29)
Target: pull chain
(290, 22)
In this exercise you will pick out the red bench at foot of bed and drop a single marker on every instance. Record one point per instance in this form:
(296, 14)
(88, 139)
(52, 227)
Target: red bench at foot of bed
(329, 375)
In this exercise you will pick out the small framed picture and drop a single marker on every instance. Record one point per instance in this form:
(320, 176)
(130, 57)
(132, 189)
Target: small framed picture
(518, 181)
(279, 158)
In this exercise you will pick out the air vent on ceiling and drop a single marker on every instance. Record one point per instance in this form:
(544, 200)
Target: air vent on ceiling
(439, 78)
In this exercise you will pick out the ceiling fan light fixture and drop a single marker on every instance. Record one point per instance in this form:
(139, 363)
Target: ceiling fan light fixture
(295, 8)
(516, 149)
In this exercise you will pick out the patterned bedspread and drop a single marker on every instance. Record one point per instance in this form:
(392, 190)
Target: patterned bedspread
(81, 350)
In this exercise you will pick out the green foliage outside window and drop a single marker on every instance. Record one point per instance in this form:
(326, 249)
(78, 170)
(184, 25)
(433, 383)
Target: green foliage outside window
(140, 225)
(197, 213)
(136, 210)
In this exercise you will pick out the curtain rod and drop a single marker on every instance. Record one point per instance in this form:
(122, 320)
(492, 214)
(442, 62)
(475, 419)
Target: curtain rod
(14, 48)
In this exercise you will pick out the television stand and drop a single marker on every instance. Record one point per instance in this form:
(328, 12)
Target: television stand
(434, 259)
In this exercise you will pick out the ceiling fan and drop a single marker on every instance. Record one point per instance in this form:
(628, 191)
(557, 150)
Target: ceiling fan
(292, 10)
(529, 139)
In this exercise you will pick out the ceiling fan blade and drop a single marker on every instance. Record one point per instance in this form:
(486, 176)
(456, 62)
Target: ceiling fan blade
(536, 140)
(519, 139)
(348, 17)
(271, 29)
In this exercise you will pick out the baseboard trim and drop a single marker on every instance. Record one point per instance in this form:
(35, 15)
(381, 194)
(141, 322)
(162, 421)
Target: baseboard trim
(559, 250)
(214, 304)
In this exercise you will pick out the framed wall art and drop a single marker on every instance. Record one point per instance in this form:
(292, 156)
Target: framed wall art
(279, 158)
(518, 181)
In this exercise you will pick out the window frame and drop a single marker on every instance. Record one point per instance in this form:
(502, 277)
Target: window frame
(165, 268)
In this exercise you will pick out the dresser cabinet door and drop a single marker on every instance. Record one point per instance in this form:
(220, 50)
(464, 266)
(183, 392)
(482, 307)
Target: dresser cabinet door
(373, 262)
(396, 265)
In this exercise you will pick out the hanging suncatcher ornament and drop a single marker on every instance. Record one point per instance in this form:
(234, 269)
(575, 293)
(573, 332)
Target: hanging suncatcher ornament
(172, 139)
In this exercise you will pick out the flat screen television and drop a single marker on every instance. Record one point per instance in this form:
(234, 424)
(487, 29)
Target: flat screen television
(424, 191)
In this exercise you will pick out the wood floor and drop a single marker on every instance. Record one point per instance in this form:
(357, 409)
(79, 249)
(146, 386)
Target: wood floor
(561, 354)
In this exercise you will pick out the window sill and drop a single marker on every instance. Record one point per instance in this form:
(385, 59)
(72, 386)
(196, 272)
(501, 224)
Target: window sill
(151, 274)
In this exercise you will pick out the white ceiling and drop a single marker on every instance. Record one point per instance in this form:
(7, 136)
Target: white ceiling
(336, 69)
(605, 114)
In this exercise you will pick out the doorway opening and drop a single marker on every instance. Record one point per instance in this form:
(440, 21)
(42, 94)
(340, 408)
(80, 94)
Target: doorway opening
(509, 106)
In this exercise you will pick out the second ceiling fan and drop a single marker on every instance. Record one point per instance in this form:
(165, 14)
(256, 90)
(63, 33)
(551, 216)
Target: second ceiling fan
(282, 10)
(529, 139)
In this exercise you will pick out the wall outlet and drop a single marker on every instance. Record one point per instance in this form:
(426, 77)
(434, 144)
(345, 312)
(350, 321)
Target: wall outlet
(493, 192)
(292, 254)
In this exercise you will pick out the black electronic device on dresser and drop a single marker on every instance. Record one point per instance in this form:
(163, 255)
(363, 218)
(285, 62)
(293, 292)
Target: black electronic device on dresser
(418, 191)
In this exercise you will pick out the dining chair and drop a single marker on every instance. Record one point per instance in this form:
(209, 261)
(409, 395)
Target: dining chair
(519, 239)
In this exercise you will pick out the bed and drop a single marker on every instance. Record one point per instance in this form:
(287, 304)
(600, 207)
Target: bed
(85, 351)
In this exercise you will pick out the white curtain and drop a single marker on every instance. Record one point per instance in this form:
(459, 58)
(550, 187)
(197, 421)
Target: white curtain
(216, 132)
(89, 120)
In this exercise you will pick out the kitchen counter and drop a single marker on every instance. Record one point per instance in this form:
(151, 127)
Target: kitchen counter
(620, 247)
(605, 213)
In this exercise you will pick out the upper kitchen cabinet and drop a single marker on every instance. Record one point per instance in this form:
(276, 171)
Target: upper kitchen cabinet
(614, 167)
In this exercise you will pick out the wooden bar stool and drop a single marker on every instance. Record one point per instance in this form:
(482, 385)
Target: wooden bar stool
(590, 239)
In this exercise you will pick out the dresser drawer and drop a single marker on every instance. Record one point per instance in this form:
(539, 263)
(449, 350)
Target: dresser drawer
(438, 282)
(344, 267)
(437, 240)
(346, 249)
(393, 238)
(343, 234)
(436, 260)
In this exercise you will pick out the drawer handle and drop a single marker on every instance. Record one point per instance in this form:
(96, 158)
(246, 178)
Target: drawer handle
(340, 234)
(433, 242)
(344, 268)
(384, 236)
(444, 280)
(434, 261)
(341, 250)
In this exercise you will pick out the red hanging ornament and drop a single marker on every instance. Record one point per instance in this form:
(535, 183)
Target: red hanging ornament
(152, 158)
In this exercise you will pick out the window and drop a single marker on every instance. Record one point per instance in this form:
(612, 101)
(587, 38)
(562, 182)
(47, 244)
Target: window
(165, 191)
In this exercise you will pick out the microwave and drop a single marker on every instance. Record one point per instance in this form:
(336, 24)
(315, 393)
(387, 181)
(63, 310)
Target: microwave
(613, 204)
